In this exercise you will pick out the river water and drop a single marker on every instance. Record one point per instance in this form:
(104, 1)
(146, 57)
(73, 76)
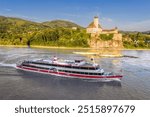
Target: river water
(16, 84)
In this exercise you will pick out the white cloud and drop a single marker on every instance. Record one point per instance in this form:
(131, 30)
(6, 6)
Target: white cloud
(28, 18)
(137, 26)
(108, 23)
(20, 16)
(143, 25)
(8, 10)
(107, 19)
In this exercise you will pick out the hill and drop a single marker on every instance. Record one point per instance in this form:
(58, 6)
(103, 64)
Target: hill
(134, 32)
(61, 23)
(16, 31)
(18, 25)
(146, 32)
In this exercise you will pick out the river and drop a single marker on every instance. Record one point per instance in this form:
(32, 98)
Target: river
(19, 85)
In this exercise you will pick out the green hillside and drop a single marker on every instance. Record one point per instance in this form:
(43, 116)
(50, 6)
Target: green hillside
(61, 23)
(16, 31)
(17, 25)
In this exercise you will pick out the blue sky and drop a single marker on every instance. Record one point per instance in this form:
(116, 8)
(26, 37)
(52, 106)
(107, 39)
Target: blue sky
(125, 14)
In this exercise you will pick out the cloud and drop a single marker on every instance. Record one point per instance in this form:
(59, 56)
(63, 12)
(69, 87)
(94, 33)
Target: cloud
(107, 23)
(143, 25)
(137, 26)
(107, 19)
(31, 18)
(8, 10)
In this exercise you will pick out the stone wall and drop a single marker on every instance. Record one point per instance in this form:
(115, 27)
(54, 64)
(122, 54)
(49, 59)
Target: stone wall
(93, 30)
(113, 31)
(97, 43)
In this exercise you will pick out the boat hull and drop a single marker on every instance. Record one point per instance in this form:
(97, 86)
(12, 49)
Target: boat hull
(70, 75)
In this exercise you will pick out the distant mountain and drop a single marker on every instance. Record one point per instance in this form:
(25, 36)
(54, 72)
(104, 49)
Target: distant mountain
(18, 25)
(146, 32)
(61, 23)
(124, 32)
(129, 32)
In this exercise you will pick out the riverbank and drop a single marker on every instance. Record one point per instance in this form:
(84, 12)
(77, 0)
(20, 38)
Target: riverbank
(136, 49)
(54, 47)
(36, 46)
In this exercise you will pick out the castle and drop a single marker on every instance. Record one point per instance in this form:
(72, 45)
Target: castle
(95, 29)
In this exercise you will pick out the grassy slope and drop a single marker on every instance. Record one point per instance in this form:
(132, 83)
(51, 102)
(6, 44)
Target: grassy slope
(61, 23)
(10, 24)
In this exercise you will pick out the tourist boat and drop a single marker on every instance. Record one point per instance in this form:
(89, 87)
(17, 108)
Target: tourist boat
(67, 68)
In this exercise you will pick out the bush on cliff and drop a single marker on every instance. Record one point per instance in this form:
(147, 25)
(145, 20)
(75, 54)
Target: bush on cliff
(106, 37)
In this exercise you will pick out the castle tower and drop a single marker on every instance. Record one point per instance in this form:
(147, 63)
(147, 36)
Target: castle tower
(94, 27)
(96, 21)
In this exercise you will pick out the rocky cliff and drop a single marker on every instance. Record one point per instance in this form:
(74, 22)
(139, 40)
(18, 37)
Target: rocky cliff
(116, 42)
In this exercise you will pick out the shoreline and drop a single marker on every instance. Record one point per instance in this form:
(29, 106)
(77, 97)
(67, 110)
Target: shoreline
(46, 47)
(53, 47)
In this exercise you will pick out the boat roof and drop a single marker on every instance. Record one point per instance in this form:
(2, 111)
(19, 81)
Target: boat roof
(60, 62)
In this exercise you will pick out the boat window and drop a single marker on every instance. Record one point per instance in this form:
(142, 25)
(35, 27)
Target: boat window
(81, 72)
(67, 66)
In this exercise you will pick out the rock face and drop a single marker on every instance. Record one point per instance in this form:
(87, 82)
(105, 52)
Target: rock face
(95, 30)
(116, 42)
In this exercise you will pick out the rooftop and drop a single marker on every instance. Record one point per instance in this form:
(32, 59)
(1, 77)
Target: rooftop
(92, 25)
(96, 17)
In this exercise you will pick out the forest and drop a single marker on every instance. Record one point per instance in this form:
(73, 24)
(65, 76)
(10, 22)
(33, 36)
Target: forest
(15, 31)
(136, 40)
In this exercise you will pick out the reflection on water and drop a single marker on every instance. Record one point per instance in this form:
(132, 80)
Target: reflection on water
(16, 84)
(102, 52)
(108, 52)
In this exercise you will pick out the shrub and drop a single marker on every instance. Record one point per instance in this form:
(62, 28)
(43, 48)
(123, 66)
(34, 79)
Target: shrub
(106, 37)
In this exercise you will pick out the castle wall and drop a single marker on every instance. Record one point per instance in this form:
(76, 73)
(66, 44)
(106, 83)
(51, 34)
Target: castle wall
(93, 30)
(97, 43)
(117, 37)
(110, 32)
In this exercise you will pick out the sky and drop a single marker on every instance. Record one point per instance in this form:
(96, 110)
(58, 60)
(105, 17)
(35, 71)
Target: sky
(131, 15)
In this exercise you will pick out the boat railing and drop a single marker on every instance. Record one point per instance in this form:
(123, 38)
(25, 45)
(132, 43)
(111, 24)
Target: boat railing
(108, 73)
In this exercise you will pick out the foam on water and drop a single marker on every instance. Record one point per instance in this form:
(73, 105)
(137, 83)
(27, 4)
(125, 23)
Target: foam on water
(7, 65)
(104, 80)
